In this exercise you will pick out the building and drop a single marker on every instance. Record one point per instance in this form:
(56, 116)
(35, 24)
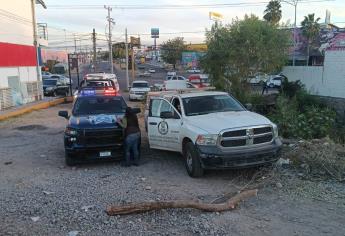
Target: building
(20, 73)
(192, 55)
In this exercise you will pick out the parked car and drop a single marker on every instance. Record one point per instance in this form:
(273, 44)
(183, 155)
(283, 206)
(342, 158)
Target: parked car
(152, 70)
(258, 78)
(138, 90)
(145, 74)
(175, 77)
(212, 130)
(141, 67)
(63, 78)
(275, 82)
(194, 70)
(55, 87)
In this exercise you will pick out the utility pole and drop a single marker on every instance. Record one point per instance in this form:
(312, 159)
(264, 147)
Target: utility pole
(75, 44)
(133, 61)
(94, 49)
(293, 3)
(110, 22)
(126, 45)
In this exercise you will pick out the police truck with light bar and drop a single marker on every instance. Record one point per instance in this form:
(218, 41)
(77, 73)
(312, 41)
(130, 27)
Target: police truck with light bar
(92, 132)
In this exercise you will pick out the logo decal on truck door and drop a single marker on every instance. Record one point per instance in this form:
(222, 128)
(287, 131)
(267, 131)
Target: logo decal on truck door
(163, 127)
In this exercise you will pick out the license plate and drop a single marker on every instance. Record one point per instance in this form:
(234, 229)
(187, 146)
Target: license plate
(105, 154)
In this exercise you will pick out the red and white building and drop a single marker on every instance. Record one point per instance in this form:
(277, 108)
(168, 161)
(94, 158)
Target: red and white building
(20, 73)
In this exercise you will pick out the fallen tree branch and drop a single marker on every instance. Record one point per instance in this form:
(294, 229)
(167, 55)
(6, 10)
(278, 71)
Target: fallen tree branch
(150, 206)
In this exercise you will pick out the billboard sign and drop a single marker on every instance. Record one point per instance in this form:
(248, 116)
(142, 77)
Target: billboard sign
(154, 32)
(215, 16)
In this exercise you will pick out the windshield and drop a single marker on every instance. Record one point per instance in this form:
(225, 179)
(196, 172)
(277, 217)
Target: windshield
(210, 104)
(99, 105)
(140, 85)
(49, 82)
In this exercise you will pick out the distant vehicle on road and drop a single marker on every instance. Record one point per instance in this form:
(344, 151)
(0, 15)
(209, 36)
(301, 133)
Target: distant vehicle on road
(60, 68)
(55, 87)
(97, 76)
(141, 67)
(194, 70)
(138, 90)
(175, 77)
(152, 70)
(171, 73)
(199, 80)
(61, 78)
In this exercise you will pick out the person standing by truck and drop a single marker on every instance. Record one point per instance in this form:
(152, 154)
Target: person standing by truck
(131, 128)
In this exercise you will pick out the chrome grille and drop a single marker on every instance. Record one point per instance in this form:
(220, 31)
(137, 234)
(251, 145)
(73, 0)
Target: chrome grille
(246, 136)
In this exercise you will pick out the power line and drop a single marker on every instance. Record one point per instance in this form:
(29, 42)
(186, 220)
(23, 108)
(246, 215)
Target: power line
(170, 6)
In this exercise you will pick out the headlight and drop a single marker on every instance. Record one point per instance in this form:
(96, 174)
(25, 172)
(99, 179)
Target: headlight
(131, 92)
(207, 139)
(49, 88)
(70, 131)
(275, 131)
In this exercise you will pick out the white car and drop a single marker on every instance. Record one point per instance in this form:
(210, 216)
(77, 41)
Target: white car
(212, 130)
(274, 82)
(171, 73)
(152, 70)
(175, 77)
(138, 90)
(194, 70)
(97, 76)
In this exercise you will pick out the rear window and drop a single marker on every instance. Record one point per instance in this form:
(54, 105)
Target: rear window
(140, 85)
(98, 105)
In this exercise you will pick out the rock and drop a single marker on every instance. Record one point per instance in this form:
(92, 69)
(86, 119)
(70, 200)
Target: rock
(87, 208)
(43, 156)
(148, 188)
(47, 192)
(35, 218)
(142, 179)
(283, 162)
(8, 163)
(73, 233)
(279, 185)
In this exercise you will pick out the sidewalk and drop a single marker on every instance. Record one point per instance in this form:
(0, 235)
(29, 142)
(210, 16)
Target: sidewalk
(32, 106)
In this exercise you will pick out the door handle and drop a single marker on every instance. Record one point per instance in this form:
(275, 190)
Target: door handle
(153, 123)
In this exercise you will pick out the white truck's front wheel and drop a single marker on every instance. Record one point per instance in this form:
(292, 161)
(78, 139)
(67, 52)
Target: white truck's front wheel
(192, 161)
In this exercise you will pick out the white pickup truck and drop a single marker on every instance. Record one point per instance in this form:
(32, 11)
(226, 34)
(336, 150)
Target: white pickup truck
(212, 130)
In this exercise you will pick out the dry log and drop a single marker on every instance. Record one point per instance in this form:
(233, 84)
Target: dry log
(150, 206)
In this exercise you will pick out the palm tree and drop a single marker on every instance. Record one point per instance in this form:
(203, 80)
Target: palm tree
(273, 12)
(310, 29)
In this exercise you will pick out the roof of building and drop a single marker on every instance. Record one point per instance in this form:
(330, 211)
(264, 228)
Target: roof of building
(42, 3)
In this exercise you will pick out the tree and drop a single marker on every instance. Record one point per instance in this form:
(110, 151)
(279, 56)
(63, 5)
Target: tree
(310, 29)
(241, 49)
(273, 12)
(171, 50)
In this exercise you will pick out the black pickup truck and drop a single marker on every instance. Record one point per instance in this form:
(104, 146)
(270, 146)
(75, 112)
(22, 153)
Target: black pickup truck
(92, 131)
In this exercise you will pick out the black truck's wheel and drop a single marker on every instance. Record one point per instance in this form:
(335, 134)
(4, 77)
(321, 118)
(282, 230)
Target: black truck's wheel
(192, 161)
(69, 159)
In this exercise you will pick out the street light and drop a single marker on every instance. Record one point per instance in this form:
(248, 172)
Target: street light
(293, 3)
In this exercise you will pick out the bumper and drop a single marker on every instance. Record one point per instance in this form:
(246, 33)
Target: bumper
(137, 96)
(214, 158)
(48, 93)
(84, 153)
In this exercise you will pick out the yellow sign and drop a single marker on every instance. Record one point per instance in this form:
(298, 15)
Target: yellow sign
(197, 47)
(215, 16)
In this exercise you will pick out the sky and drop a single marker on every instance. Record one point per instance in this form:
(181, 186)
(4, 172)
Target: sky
(188, 23)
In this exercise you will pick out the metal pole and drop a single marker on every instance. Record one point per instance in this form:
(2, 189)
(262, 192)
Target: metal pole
(69, 73)
(75, 44)
(78, 68)
(94, 49)
(126, 45)
(133, 61)
(294, 36)
(110, 22)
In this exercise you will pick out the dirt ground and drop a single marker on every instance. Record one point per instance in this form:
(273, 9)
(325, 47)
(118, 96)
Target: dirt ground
(39, 195)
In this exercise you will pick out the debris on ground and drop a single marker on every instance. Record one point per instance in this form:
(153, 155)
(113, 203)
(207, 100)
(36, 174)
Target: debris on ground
(195, 204)
(35, 218)
(319, 159)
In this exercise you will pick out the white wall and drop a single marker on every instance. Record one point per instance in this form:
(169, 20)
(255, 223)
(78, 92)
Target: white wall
(16, 22)
(327, 80)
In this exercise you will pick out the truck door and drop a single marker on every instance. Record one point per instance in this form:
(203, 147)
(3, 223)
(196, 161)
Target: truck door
(164, 124)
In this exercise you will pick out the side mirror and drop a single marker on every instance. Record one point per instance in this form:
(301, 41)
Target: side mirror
(63, 114)
(129, 87)
(136, 110)
(249, 106)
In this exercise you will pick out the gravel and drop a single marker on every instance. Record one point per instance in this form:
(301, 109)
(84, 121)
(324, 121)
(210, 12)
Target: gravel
(41, 196)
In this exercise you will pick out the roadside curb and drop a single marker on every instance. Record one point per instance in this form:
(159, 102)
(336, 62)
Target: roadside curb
(38, 106)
